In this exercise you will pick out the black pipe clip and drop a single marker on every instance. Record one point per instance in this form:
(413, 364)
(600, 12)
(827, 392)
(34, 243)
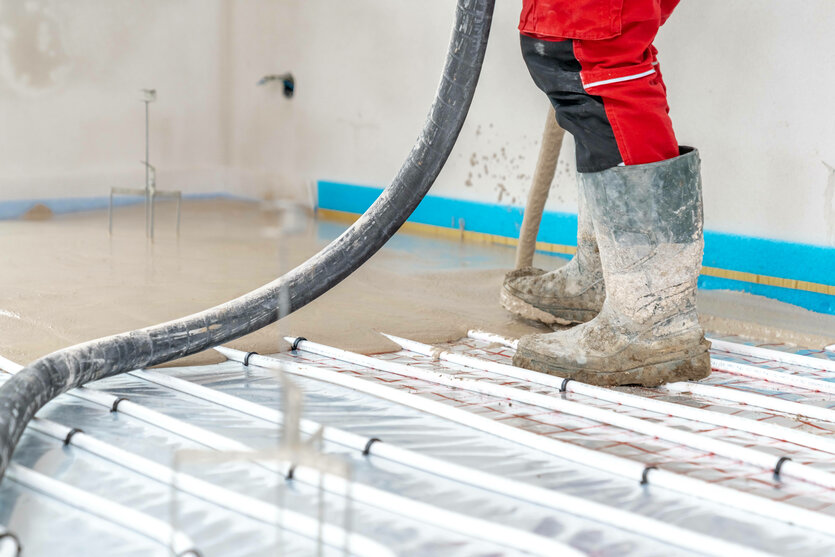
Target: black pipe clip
(296, 343)
(367, 450)
(645, 474)
(70, 434)
(116, 403)
(248, 356)
(779, 465)
(564, 386)
(15, 539)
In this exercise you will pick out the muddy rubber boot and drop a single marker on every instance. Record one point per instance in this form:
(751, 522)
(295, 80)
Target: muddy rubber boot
(648, 221)
(574, 293)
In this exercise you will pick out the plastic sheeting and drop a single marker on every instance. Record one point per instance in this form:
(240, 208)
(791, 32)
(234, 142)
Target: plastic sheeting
(45, 526)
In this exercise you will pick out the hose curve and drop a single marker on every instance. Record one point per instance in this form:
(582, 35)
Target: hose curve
(41, 381)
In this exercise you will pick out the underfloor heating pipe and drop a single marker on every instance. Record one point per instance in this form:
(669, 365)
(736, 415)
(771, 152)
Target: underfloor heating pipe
(781, 433)
(662, 531)
(42, 380)
(255, 509)
(130, 519)
(780, 465)
(776, 355)
(492, 338)
(615, 465)
(129, 408)
(415, 510)
(772, 403)
(773, 376)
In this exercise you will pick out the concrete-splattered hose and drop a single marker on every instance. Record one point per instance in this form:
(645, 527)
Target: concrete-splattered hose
(28, 391)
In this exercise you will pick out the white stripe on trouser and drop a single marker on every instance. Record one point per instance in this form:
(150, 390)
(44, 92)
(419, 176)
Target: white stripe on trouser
(619, 79)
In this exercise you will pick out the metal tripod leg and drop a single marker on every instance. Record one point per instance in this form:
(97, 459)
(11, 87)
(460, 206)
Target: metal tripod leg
(179, 204)
(110, 214)
(150, 191)
(152, 198)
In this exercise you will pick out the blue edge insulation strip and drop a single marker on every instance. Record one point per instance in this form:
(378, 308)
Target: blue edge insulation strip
(724, 251)
(14, 209)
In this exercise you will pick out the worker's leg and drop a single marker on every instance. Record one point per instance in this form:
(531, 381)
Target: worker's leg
(627, 123)
(556, 71)
(623, 73)
(575, 292)
(646, 214)
(609, 93)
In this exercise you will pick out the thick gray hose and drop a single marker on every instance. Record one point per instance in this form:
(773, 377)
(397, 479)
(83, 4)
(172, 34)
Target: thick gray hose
(546, 167)
(25, 393)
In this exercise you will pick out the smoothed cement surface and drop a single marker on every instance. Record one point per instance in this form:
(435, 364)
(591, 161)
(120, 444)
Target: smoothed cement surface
(64, 281)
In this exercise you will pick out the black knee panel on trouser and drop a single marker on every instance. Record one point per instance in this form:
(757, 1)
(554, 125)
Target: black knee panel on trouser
(556, 71)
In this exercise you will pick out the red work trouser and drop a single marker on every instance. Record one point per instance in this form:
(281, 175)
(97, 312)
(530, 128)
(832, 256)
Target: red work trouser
(596, 62)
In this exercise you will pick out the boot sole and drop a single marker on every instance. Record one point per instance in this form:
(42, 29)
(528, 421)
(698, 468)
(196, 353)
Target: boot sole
(524, 309)
(689, 366)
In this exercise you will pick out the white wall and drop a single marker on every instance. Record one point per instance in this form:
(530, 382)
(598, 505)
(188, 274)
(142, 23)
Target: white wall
(367, 73)
(750, 84)
(70, 74)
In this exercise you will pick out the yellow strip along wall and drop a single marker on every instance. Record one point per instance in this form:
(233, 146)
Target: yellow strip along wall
(480, 237)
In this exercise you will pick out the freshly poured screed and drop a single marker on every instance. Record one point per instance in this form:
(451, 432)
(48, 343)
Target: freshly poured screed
(55, 300)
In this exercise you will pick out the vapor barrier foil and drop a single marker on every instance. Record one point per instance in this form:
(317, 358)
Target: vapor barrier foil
(47, 527)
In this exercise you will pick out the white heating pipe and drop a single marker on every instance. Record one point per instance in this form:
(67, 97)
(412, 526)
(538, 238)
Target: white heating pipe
(157, 419)
(773, 376)
(9, 544)
(770, 354)
(624, 520)
(422, 512)
(724, 393)
(463, 524)
(250, 507)
(762, 401)
(470, 526)
(608, 463)
(148, 526)
(707, 444)
(129, 408)
(765, 429)
(492, 338)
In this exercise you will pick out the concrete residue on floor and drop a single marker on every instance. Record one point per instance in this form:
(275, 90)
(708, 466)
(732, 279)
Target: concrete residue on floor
(65, 281)
(69, 282)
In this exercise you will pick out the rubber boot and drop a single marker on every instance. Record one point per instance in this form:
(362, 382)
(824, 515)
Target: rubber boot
(574, 293)
(649, 225)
